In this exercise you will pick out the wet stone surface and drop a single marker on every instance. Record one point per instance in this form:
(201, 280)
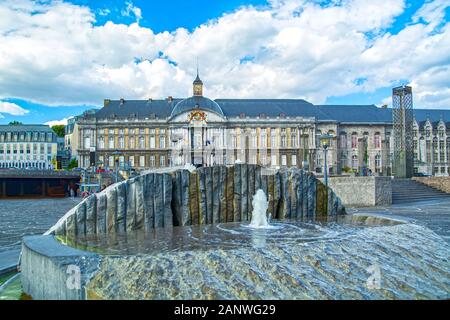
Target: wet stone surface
(20, 217)
(292, 260)
(435, 215)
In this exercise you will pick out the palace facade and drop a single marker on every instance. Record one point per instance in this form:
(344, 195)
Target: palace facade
(271, 132)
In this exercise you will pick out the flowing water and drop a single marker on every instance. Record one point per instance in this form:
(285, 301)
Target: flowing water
(334, 259)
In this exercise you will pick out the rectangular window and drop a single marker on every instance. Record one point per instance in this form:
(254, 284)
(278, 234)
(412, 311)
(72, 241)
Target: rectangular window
(142, 161)
(152, 161)
(283, 141)
(283, 160)
(294, 160)
(87, 142)
(162, 161)
(111, 142)
(152, 142)
(274, 159)
(273, 140)
(131, 161)
(111, 161)
(263, 139)
(162, 142)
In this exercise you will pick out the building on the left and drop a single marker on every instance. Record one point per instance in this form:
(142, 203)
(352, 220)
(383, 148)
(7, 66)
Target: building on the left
(27, 146)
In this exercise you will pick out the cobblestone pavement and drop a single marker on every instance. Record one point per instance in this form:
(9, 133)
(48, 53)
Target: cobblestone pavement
(20, 217)
(434, 214)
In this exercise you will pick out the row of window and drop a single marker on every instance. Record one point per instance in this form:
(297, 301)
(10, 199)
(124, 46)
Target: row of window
(131, 131)
(354, 140)
(132, 161)
(131, 143)
(429, 133)
(27, 137)
(22, 157)
(25, 148)
(21, 165)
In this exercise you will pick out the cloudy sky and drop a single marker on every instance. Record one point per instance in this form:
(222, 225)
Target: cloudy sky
(58, 58)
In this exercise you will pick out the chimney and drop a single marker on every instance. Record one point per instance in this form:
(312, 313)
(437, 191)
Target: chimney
(169, 99)
(122, 101)
(106, 102)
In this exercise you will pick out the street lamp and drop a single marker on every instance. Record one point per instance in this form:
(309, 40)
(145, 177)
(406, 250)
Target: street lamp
(116, 162)
(325, 142)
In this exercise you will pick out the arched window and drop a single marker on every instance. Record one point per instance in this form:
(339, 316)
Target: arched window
(354, 162)
(343, 140)
(377, 140)
(354, 140)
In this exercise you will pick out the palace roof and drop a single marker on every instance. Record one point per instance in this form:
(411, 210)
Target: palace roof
(271, 108)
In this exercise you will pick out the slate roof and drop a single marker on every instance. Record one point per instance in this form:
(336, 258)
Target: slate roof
(268, 107)
(355, 114)
(164, 109)
(139, 108)
(25, 128)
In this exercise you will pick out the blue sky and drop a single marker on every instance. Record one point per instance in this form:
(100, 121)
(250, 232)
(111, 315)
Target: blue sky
(64, 57)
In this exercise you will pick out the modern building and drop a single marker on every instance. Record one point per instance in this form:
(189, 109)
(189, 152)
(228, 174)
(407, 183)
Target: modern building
(27, 146)
(271, 132)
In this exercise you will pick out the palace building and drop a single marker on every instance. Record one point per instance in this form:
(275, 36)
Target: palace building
(152, 133)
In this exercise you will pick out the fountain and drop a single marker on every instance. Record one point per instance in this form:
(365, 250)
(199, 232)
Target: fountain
(184, 235)
(259, 213)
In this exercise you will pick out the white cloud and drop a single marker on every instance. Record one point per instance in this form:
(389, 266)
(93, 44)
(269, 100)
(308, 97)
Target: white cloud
(52, 53)
(12, 109)
(130, 10)
(57, 122)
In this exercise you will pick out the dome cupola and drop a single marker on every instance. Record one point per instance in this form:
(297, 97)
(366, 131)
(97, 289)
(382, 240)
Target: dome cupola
(198, 86)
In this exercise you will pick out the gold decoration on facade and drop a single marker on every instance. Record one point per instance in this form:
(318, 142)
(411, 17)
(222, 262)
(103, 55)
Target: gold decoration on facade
(197, 115)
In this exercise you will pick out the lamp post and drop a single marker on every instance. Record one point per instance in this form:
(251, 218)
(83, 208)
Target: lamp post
(325, 142)
(116, 162)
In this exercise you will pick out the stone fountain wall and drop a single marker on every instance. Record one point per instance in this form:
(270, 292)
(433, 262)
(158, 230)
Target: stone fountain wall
(208, 195)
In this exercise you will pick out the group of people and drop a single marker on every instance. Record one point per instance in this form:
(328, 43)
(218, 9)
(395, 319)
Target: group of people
(74, 191)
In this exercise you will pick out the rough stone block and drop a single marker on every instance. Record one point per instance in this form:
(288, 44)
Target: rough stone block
(229, 193)
(237, 193)
(101, 213)
(121, 206)
(111, 209)
(159, 201)
(140, 203)
(167, 200)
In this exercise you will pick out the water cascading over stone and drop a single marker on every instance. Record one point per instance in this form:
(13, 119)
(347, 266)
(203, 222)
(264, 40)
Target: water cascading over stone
(208, 195)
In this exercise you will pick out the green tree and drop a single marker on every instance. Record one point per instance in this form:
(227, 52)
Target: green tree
(59, 129)
(73, 164)
(15, 123)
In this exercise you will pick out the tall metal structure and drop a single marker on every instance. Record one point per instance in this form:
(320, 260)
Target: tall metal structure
(402, 119)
